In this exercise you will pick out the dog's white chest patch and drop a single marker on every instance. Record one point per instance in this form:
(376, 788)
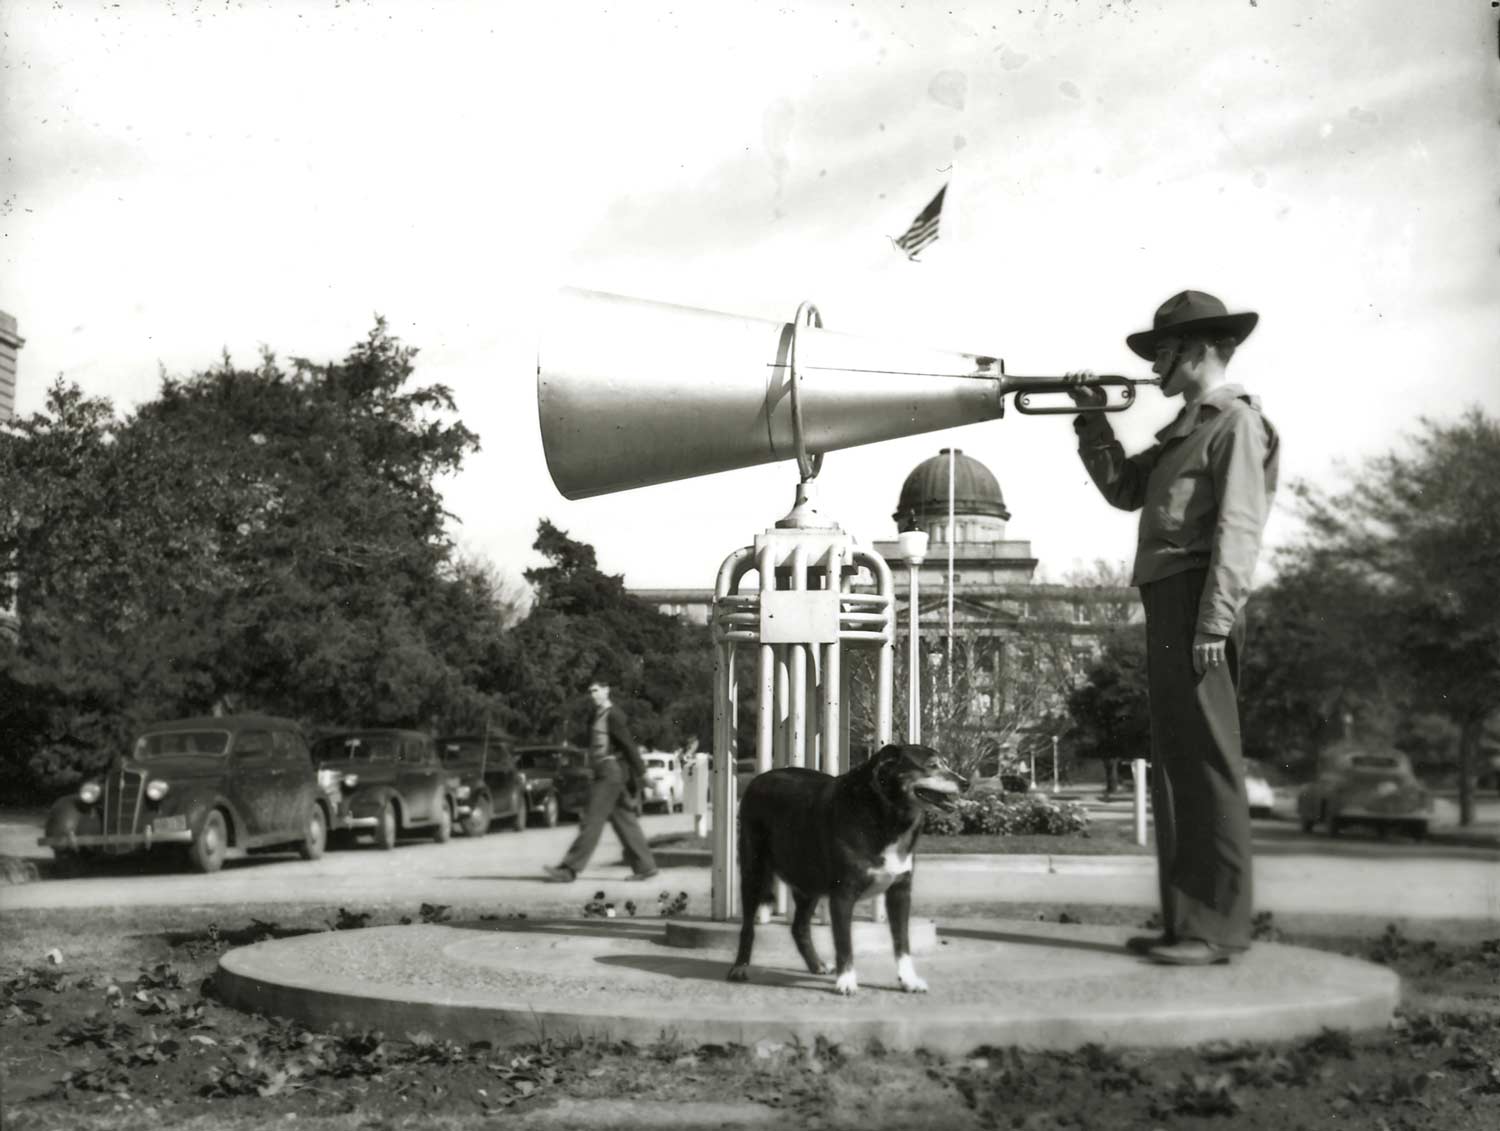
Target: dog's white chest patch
(892, 866)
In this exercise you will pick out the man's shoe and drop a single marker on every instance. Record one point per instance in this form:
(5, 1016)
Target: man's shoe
(637, 877)
(560, 875)
(1189, 952)
(1144, 944)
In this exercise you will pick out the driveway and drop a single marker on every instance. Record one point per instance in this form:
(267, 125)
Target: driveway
(503, 872)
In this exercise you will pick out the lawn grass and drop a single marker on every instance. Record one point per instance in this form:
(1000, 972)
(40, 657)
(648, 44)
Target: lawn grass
(161, 1053)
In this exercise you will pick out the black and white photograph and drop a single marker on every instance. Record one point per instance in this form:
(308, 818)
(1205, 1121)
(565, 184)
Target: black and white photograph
(844, 564)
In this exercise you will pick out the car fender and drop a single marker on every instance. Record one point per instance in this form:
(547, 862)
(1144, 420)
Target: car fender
(198, 808)
(369, 802)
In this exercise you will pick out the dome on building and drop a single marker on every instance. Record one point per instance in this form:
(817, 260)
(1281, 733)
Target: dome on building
(924, 495)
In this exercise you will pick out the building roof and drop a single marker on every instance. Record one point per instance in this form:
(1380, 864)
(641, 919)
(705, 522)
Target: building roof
(924, 495)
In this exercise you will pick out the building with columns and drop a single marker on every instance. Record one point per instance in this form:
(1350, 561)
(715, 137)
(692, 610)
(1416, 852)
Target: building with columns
(1001, 617)
(10, 345)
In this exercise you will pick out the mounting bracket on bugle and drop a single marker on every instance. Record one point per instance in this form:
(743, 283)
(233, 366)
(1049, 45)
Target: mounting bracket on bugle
(1026, 388)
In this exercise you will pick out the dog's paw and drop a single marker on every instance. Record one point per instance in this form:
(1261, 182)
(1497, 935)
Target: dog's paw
(847, 984)
(907, 975)
(739, 973)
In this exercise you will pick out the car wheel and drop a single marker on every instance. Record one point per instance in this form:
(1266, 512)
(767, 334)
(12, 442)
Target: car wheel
(66, 862)
(518, 819)
(315, 838)
(442, 832)
(211, 845)
(386, 827)
(477, 823)
(550, 812)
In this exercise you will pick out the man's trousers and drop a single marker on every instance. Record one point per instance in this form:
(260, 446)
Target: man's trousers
(1199, 808)
(610, 801)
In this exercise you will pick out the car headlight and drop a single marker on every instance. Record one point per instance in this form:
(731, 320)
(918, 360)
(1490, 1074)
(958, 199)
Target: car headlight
(88, 792)
(463, 793)
(351, 780)
(157, 789)
(328, 779)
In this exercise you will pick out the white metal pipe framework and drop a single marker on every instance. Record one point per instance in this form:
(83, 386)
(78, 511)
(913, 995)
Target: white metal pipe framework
(800, 618)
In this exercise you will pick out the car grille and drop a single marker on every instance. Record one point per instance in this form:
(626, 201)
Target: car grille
(124, 799)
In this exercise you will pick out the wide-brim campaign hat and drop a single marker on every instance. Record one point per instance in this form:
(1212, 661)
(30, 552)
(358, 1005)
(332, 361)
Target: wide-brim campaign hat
(1191, 310)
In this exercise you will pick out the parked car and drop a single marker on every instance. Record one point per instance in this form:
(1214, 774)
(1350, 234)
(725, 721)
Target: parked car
(1365, 786)
(385, 782)
(664, 784)
(217, 787)
(490, 783)
(560, 772)
(1258, 789)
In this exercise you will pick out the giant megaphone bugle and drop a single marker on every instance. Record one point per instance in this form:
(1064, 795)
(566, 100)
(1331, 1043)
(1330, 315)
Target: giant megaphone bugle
(632, 392)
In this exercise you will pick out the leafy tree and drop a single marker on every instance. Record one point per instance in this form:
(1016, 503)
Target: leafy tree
(266, 539)
(1314, 660)
(1419, 531)
(1110, 709)
(583, 621)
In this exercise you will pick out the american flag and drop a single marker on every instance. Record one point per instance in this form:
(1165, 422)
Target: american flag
(924, 229)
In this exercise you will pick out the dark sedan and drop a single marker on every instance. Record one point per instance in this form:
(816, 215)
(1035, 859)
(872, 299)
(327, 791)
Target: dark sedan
(385, 782)
(216, 787)
(565, 771)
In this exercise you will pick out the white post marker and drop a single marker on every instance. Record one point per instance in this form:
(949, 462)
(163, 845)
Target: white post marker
(1054, 763)
(695, 771)
(1138, 773)
(913, 549)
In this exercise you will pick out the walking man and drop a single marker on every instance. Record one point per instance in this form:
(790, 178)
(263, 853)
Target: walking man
(1204, 490)
(614, 796)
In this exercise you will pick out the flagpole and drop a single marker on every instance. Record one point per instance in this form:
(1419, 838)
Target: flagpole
(952, 457)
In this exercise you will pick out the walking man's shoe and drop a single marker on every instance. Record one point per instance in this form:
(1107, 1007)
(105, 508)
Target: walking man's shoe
(639, 876)
(1189, 952)
(1144, 944)
(560, 875)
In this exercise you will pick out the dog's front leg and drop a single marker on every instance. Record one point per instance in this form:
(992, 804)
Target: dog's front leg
(841, 912)
(898, 911)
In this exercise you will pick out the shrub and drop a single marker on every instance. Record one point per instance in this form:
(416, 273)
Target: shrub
(996, 815)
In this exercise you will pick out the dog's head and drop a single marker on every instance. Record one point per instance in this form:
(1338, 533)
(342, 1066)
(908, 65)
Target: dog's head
(915, 778)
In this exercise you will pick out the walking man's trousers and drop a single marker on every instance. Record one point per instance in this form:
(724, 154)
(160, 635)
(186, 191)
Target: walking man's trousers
(1198, 801)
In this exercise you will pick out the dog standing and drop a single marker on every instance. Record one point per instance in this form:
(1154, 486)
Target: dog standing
(842, 837)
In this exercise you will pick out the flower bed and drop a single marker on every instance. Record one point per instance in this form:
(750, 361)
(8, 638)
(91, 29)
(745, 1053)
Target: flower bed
(1000, 816)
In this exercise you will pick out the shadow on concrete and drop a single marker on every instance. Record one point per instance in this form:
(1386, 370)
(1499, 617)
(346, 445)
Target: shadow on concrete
(714, 970)
(1044, 942)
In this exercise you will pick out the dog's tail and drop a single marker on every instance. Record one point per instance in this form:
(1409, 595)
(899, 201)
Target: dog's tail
(757, 878)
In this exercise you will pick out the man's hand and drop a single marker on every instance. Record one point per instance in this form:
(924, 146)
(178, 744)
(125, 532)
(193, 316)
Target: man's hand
(1085, 396)
(1208, 651)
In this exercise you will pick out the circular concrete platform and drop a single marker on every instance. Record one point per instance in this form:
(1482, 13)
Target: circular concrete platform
(993, 982)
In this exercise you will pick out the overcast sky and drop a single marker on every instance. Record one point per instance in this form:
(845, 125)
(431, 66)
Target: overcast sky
(182, 178)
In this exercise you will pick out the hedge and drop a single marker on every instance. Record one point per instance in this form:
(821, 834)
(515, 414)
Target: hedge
(999, 816)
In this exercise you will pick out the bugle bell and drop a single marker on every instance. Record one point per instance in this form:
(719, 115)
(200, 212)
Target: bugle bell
(632, 392)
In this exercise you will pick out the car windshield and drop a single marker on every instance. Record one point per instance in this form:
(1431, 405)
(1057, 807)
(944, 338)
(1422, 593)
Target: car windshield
(658, 764)
(1375, 762)
(539, 759)
(171, 744)
(468, 749)
(355, 747)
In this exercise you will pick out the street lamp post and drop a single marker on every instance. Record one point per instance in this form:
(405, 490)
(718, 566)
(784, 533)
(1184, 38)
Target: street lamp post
(913, 549)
